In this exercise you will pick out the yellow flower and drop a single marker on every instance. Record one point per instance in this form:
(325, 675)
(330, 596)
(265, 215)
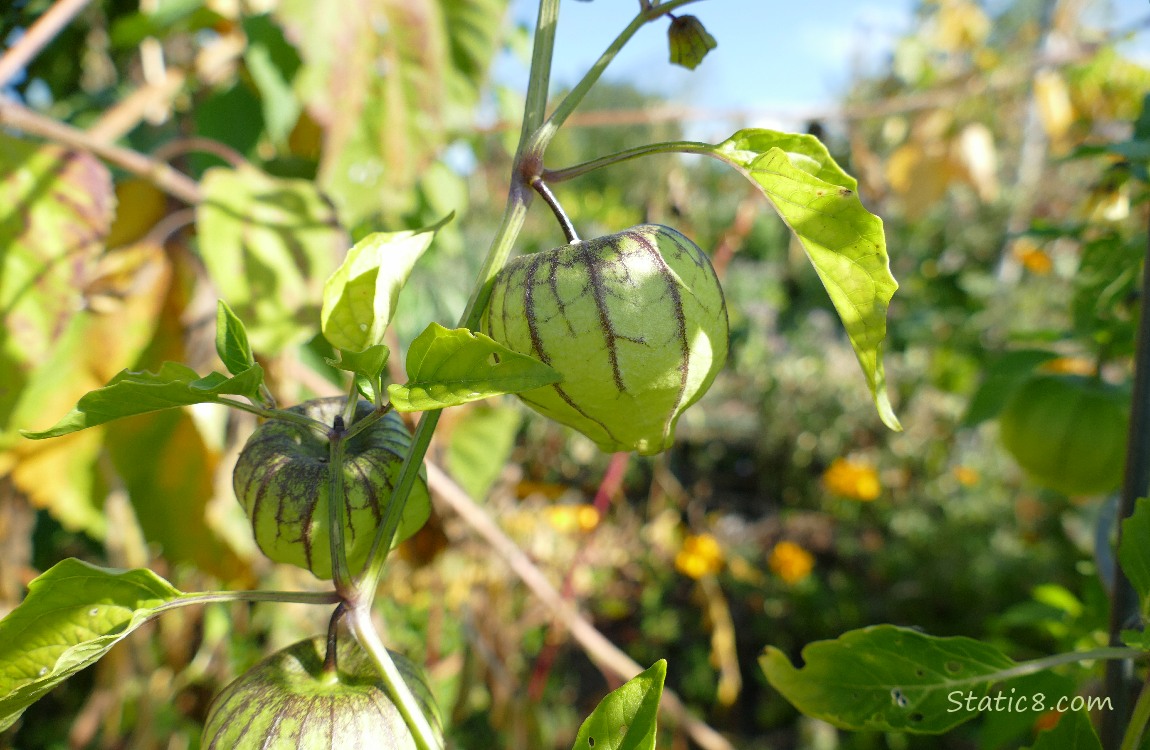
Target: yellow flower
(1069, 366)
(1032, 257)
(851, 479)
(791, 562)
(700, 555)
(568, 518)
(966, 476)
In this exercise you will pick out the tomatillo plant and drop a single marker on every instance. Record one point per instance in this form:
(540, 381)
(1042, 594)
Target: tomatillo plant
(614, 336)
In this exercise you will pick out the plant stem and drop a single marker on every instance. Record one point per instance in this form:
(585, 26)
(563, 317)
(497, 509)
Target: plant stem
(1136, 484)
(669, 147)
(557, 209)
(518, 200)
(330, 661)
(1138, 720)
(541, 138)
(37, 36)
(281, 414)
(359, 620)
(162, 175)
(340, 573)
(213, 597)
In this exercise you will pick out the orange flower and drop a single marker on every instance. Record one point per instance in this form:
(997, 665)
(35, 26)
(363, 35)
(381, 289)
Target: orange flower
(1069, 366)
(966, 476)
(1032, 257)
(700, 555)
(851, 479)
(791, 562)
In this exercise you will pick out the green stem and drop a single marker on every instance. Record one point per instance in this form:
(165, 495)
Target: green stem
(340, 573)
(282, 414)
(669, 147)
(557, 209)
(359, 620)
(1049, 662)
(212, 597)
(1138, 719)
(541, 138)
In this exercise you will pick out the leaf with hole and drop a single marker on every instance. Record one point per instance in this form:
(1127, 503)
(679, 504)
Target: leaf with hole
(451, 367)
(887, 678)
(72, 616)
(626, 719)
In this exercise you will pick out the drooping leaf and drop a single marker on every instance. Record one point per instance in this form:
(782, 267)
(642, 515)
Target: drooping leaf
(268, 244)
(73, 614)
(479, 445)
(168, 468)
(1134, 552)
(232, 340)
(131, 393)
(360, 297)
(273, 64)
(626, 718)
(451, 367)
(1072, 732)
(844, 241)
(386, 99)
(887, 678)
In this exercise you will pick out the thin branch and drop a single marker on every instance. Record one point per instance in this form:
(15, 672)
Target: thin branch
(181, 146)
(38, 36)
(166, 178)
(602, 651)
(123, 118)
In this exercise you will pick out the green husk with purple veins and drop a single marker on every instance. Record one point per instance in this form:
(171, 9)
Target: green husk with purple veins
(635, 322)
(289, 702)
(281, 479)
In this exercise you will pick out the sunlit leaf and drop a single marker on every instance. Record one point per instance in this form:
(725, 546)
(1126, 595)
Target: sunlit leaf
(131, 393)
(268, 244)
(232, 340)
(386, 99)
(360, 297)
(451, 367)
(273, 64)
(55, 210)
(367, 366)
(844, 241)
(887, 678)
(626, 718)
(72, 616)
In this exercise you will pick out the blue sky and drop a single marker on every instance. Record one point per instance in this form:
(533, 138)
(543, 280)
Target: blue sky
(775, 56)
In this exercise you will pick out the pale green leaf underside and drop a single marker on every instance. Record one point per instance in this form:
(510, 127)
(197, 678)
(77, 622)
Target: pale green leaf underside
(626, 718)
(1134, 553)
(451, 367)
(131, 393)
(843, 240)
(73, 615)
(1073, 732)
(886, 678)
(360, 297)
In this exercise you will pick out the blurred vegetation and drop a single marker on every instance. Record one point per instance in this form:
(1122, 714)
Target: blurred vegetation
(785, 513)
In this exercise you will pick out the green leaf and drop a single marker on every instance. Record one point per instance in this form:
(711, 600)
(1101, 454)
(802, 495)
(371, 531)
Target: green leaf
(367, 366)
(1134, 552)
(55, 210)
(689, 41)
(479, 445)
(360, 297)
(232, 340)
(452, 367)
(273, 64)
(268, 243)
(626, 718)
(383, 124)
(1002, 376)
(844, 241)
(72, 616)
(1136, 639)
(887, 678)
(131, 393)
(1072, 732)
